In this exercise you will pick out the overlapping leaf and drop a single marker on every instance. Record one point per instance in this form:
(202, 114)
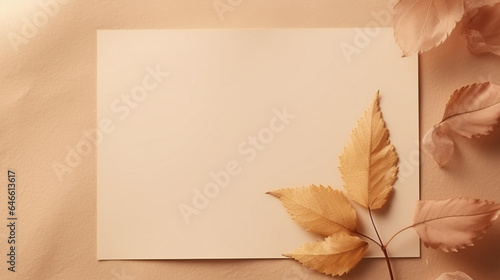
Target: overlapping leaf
(453, 224)
(457, 275)
(318, 209)
(483, 31)
(471, 5)
(439, 144)
(368, 163)
(335, 255)
(472, 111)
(420, 25)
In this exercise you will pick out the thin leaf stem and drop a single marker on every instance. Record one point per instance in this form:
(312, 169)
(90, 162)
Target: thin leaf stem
(375, 227)
(384, 249)
(369, 238)
(382, 246)
(400, 231)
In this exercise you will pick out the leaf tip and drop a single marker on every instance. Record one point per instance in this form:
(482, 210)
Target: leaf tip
(275, 193)
(376, 99)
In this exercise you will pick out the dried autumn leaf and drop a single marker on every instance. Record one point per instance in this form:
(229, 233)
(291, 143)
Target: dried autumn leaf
(335, 255)
(321, 210)
(420, 25)
(482, 33)
(453, 224)
(457, 275)
(471, 5)
(472, 111)
(439, 144)
(368, 163)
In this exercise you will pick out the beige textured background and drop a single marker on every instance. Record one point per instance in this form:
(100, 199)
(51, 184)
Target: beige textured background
(48, 99)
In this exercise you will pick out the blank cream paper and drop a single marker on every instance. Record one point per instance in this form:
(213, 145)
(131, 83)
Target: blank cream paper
(195, 126)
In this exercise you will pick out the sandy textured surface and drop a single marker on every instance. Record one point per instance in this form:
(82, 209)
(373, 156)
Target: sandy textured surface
(48, 85)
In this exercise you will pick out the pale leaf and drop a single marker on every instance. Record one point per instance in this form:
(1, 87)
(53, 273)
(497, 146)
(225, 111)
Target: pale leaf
(482, 33)
(335, 255)
(457, 275)
(439, 145)
(368, 163)
(472, 111)
(471, 5)
(321, 210)
(420, 25)
(453, 224)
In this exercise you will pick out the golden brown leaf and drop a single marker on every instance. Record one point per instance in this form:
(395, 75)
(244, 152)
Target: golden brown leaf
(368, 163)
(335, 255)
(320, 209)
